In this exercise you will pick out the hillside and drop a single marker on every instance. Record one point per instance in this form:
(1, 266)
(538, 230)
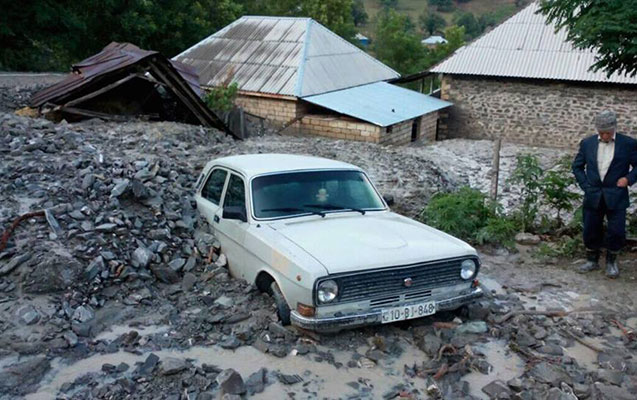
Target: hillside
(415, 8)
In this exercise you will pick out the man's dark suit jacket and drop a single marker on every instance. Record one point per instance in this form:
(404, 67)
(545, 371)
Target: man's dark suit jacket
(587, 173)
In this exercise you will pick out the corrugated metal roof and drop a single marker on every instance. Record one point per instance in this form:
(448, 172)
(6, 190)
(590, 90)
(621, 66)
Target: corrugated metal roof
(380, 103)
(525, 47)
(284, 56)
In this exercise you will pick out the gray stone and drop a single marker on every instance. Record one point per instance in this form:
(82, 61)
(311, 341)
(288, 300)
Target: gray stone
(610, 376)
(94, 268)
(224, 301)
(172, 365)
(472, 327)
(431, 344)
(177, 264)
(289, 379)
(230, 382)
(527, 239)
(88, 181)
(190, 264)
(18, 379)
(495, 389)
(71, 338)
(189, 281)
(109, 227)
(148, 365)
(165, 274)
(83, 314)
(256, 382)
(141, 257)
(231, 342)
(550, 373)
(120, 188)
(140, 190)
(28, 315)
(14, 263)
(53, 223)
(551, 349)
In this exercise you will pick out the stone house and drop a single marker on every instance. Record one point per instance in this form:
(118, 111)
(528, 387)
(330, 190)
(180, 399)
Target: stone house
(302, 77)
(525, 83)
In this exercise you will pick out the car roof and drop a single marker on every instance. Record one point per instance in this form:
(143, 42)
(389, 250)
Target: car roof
(257, 164)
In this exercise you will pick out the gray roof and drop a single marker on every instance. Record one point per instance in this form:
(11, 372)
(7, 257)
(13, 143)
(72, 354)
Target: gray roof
(434, 40)
(282, 56)
(525, 47)
(380, 103)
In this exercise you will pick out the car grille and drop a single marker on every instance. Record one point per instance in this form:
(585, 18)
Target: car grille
(387, 286)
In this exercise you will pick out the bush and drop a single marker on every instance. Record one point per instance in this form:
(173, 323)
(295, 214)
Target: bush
(462, 213)
(528, 175)
(222, 98)
(499, 230)
(566, 246)
(555, 184)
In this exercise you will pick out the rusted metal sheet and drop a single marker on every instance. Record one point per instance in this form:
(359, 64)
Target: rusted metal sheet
(120, 64)
(524, 46)
(282, 56)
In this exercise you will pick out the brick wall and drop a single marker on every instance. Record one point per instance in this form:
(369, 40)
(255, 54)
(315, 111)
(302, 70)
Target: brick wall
(533, 112)
(277, 110)
(400, 133)
(339, 128)
(428, 125)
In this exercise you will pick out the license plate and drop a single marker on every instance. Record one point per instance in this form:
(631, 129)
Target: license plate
(408, 312)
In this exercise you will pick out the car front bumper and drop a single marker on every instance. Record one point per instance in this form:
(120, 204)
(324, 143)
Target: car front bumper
(337, 323)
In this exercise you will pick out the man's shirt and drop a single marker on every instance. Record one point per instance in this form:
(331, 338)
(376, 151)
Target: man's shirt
(605, 154)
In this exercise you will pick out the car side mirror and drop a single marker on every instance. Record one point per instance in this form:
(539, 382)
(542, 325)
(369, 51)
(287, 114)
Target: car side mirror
(389, 199)
(235, 212)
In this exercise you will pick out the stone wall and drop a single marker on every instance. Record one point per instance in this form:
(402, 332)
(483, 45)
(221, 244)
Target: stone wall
(533, 112)
(339, 128)
(428, 127)
(400, 133)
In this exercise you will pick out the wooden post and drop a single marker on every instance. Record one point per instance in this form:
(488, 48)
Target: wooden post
(495, 170)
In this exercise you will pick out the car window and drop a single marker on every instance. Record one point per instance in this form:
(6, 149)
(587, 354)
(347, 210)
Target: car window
(235, 194)
(214, 186)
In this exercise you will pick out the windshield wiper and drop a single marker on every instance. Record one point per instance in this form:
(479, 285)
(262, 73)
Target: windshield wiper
(293, 209)
(335, 207)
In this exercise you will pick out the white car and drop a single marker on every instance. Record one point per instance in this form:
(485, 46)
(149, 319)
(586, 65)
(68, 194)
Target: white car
(316, 235)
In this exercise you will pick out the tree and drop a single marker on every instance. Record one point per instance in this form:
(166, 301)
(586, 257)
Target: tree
(396, 44)
(389, 3)
(358, 13)
(609, 26)
(455, 39)
(336, 15)
(470, 23)
(442, 5)
(432, 22)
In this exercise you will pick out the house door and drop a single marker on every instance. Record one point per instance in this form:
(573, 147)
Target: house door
(415, 129)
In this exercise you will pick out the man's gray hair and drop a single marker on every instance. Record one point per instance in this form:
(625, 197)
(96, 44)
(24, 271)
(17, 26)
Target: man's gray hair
(606, 121)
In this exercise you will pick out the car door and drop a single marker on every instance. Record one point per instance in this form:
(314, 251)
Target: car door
(232, 232)
(209, 198)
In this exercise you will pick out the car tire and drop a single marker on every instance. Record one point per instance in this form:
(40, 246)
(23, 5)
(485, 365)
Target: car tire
(282, 307)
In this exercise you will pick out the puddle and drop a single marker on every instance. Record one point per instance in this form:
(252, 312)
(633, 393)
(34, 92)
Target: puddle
(325, 379)
(118, 330)
(506, 365)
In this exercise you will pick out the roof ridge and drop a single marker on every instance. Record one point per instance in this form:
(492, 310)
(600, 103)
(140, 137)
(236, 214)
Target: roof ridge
(301, 68)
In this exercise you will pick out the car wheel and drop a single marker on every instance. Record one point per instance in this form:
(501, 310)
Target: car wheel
(282, 307)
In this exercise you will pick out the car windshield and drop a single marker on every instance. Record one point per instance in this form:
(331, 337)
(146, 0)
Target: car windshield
(315, 192)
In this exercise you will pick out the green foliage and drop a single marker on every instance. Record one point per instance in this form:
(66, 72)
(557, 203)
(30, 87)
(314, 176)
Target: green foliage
(43, 35)
(358, 13)
(608, 26)
(389, 3)
(555, 184)
(566, 246)
(442, 5)
(491, 19)
(432, 22)
(222, 98)
(396, 43)
(528, 175)
(470, 23)
(468, 214)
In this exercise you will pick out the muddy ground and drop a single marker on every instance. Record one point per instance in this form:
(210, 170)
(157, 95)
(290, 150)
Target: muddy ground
(115, 292)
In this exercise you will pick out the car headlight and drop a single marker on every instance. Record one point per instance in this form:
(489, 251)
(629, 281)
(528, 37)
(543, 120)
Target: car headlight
(327, 291)
(468, 269)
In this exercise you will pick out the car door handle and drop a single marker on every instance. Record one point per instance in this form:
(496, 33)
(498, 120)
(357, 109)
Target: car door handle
(216, 218)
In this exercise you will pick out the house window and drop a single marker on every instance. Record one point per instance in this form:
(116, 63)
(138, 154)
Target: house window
(390, 129)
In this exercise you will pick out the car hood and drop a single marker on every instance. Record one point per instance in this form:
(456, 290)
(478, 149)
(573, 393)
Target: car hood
(352, 242)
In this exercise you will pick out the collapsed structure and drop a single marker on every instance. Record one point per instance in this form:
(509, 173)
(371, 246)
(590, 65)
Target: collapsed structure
(123, 81)
(298, 74)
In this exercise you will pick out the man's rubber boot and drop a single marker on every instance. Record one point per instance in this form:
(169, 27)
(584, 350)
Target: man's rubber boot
(592, 262)
(612, 269)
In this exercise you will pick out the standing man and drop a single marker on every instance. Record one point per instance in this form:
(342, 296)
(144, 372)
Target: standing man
(604, 167)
